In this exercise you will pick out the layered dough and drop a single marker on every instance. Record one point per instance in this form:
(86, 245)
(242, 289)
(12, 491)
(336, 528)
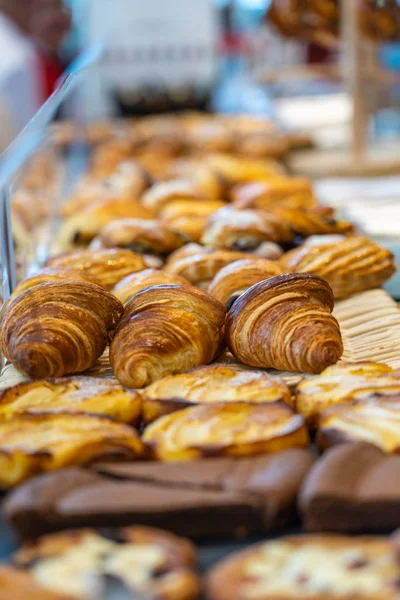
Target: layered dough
(132, 284)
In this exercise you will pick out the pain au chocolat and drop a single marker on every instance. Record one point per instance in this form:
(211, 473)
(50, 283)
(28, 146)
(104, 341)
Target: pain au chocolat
(226, 429)
(285, 323)
(166, 329)
(58, 328)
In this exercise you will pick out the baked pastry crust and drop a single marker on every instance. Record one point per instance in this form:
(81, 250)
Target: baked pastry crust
(189, 218)
(350, 266)
(58, 328)
(285, 323)
(73, 395)
(131, 285)
(317, 221)
(51, 274)
(293, 192)
(166, 329)
(234, 279)
(234, 169)
(227, 429)
(165, 192)
(106, 266)
(17, 585)
(375, 420)
(312, 567)
(37, 443)
(344, 383)
(143, 560)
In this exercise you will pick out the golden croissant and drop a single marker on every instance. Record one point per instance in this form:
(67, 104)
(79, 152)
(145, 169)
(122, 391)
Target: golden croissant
(51, 274)
(286, 323)
(58, 328)
(166, 329)
(293, 192)
(105, 266)
(131, 285)
(352, 265)
(234, 279)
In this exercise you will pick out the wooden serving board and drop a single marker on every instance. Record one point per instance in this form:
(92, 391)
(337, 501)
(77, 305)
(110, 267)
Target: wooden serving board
(370, 325)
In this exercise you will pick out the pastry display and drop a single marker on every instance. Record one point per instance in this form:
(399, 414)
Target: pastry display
(72, 395)
(17, 585)
(58, 328)
(234, 279)
(166, 329)
(228, 429)
(213, 383)
(285, 323)
(88, 564)
(106, 266)
(320, 567)
(220, 497)
(35, 443)
(353, 488)
(375, 420)
(132, 284)
(352, 265)
(344, 383)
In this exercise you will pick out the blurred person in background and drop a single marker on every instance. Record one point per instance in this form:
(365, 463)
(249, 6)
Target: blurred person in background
(31, 34)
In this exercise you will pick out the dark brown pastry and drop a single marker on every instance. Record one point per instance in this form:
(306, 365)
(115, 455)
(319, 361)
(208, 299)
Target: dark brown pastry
(58, 328)
(220, 497)
(166, 329)
(285, 323)
(353, 488)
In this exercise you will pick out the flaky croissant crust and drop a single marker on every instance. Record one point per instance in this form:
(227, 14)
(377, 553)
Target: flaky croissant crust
(131, 285)
(49, 274)
(285, 323)
(166, 329)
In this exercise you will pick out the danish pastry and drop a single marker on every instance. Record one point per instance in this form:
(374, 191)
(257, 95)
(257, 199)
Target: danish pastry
(375, 420)
(58, 328)
(131, 285)
(353, 265)
(285, 323)
(72, 395)
(138, 561)
(106, 266)
(210, 384)
(31, 444)
(229, 429)
(166, 329)
(16, 585)
(234, 279)
(165, 192)
(341, 383)
(293, 192)
(312, 567)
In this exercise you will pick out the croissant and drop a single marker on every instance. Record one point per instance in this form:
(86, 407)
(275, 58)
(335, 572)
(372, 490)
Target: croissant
(165, 192)
(58, 328)
(293, 192)
(234, 279)
(230, 429)
(131, 285)
(166, 329)
(353, 265)
(188, 218)
(285, 323)
(210, 384)
(49, 274)
(244, 230)
(106, 267)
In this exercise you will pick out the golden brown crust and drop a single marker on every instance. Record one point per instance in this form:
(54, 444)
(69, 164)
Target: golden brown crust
(58, 328)
(106, 266)
(285, 323)
(233, 169)
(293, 192)
(166, 329)
(165, 192)
(31, 444)
(49, 274)
(147, 561)
(131, 285)
(234, 279)
(73, 395)
(318, 221)
(189, 218)
(312, 567)
(17, 585)
(230, 429)
(344, 382)
(352, 265)
(375, 419)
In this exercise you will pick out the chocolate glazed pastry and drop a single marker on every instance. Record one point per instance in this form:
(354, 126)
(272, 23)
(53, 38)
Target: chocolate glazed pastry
(353, 488)
(221, 496)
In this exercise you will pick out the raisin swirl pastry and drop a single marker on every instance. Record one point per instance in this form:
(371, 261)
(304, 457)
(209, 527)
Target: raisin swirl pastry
(229, 429)
(189, 218)
(106, 266)
(286, 323)
(131, 285)
(234, 279)
(166, 329)
(58, 328)
(294, 192)
(353, 265)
